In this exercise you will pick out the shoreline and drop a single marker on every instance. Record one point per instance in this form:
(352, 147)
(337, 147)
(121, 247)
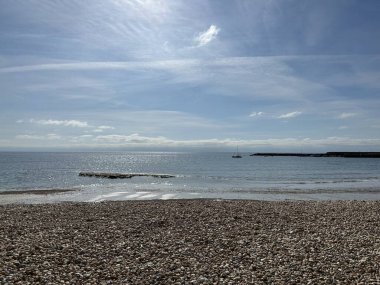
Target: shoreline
(77, 195)
(195, 241)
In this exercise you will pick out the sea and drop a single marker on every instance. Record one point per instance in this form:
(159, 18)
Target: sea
(197, 175)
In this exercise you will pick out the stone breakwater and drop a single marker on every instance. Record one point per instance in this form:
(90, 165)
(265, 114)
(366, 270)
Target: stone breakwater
(191, 242)
(327, 154)
(123, 175)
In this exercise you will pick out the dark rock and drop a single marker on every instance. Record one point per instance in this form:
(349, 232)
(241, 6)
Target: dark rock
(123, 175)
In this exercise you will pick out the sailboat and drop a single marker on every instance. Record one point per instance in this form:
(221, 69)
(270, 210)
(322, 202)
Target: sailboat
(236, 154)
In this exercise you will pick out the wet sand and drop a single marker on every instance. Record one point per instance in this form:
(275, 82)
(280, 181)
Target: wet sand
(191, 242)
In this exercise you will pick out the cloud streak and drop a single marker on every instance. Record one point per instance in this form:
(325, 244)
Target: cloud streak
(290, 115)
(346, 115)
(256, 114)
(106, 65)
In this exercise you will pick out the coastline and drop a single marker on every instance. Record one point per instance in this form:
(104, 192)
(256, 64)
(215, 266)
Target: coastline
(192, 241)
(95, 177)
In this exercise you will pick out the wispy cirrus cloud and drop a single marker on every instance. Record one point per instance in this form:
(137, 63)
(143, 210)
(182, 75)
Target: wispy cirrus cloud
(133, 27)
(252, 76)
(135, 56)
(204, 38)
(103, 65)
(290, 115)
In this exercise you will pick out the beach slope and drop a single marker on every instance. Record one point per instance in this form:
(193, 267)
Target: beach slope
(191, 242)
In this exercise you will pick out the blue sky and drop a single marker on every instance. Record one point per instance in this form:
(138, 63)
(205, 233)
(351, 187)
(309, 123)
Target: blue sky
(119, 74)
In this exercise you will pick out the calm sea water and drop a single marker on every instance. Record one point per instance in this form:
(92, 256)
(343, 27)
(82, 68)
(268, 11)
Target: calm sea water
(198, 175)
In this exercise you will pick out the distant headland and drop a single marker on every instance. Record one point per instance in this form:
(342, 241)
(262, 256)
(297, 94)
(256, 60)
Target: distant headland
(326, 154)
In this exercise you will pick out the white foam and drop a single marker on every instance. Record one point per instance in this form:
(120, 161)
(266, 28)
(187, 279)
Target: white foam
(136, 195)
(151, 195)
(114, 194)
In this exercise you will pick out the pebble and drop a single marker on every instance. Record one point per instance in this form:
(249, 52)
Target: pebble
(191, 242)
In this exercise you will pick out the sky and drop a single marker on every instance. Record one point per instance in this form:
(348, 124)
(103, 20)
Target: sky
(154, 74)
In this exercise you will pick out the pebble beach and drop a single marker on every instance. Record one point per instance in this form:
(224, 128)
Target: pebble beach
(191, 242)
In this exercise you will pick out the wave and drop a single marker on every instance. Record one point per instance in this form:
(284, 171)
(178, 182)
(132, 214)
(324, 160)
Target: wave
(337, 181)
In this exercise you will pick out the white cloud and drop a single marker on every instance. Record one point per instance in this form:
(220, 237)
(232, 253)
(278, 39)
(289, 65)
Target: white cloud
(346, 115)
(85, 136)
(133, 138)
(343, 127)
(290, 115)
(66, 123)
(206, 37)
(137, 140)
(101, 129)
(256, 114)
(160, 141)
(69, 123)
(106, 128)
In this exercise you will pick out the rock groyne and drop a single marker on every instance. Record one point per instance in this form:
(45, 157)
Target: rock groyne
(123, 175)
